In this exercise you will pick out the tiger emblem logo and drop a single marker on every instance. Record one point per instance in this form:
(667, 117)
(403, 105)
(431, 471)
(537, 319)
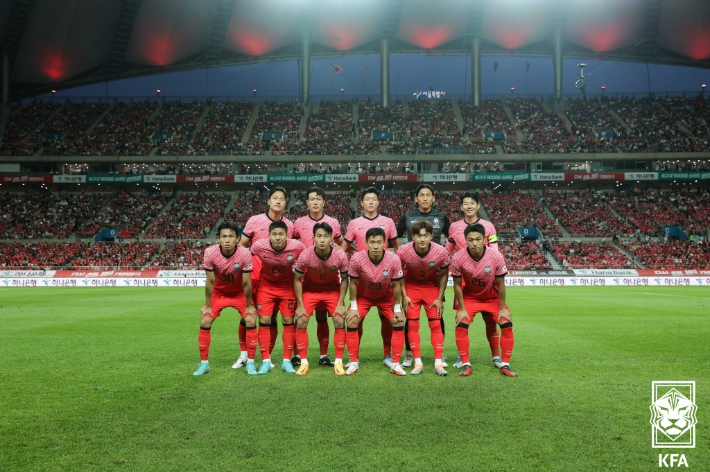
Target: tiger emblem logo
(673, 414)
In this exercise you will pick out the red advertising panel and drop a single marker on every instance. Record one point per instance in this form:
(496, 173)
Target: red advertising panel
(673, 272)
(387, 178)
(26, 179)
(92, 274)
(212, 179)
(606, 177)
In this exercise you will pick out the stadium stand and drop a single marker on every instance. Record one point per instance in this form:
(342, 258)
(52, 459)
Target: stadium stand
(374, 117)
(70, 124)
(647, 211)
(18, 209)
(489, 117)
(432, 126)
(586, 118)
(576, 255)
(27, 119)
(173, 127)
(191, 216)
(509, 211)
(330, 131)
(185, 255)
(106, 255)
(37, 255)
(224, 127)
(694, 205)
(525, 256)
(692, 112)
(671, 254)
(544, 132)
(585, 214)
(276, 117)
(131, 212)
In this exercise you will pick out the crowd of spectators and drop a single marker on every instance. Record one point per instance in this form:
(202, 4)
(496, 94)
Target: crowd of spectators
(27, 119)
(224, 127)
(432, 125)
(509, 211)
(72, 122)
(183, 255)
(480, 147)
(671, 254)
(372, 117)
(544, 131)
(489, 117)
(585, 214)
(109, 255)
(18, 209)
(523, 256)
(647, 210)
(37, 255)
(586, 117)
(191, 216)
(692, 112)
(695, 205)
(330, 130)
(577, 255)
(173, 127)
(131, 212)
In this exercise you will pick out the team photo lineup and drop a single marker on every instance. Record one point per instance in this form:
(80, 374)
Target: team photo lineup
(299, 269)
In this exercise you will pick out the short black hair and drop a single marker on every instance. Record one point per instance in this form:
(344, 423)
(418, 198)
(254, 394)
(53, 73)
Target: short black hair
(230, 226)
(278, 189)
(324, 226)
(473, 196)
(317, 190)
(475, 228)
(421, 187)
(367, 190)
(277, 225)
(374, 232)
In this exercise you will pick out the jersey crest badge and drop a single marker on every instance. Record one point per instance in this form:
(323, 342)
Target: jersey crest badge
(258, 307)
(436, 221)
(385, 273)
(488, 269)
(382, 227)
(289, 257)
(333, 267)
(237, 266)
(431, 264)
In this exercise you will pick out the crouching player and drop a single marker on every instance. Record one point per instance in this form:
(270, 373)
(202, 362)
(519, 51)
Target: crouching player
(426, 271)
(483, 273)
(228, 268)
(320, 283)
(375, 280)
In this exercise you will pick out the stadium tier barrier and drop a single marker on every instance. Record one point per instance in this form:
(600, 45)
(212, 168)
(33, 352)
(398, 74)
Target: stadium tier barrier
(196, 278)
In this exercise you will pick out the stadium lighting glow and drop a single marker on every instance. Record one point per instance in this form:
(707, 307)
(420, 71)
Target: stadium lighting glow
(254, 92)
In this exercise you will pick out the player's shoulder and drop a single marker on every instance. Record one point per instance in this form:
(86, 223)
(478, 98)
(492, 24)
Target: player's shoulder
(287, 221)
(295, 244)
(358, 256)
(301, 221)
(405, 248)
(390, 256)
(262, 243)
(438, 249)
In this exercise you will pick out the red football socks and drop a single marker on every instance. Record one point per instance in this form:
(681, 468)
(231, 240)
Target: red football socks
(339, 341)
(462, 342)
(251, 341)
(507, 340)
(302, 342)
(274, 334)
(264, 335)
(323, 333)
(437, 338)
(242, 336)
(492, 335)
(203, 341)
(386, 332)
(289, 339)
(352, 340)
(397, 343)
(414, 338)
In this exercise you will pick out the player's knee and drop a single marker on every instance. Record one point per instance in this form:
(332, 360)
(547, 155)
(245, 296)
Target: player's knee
(206, 322)
(462, 325)
(507, 324)
(338, 322)
(353, 323)
(265, 321)
(286, 320)
(248, 321)
(243, 322)
(302, 322)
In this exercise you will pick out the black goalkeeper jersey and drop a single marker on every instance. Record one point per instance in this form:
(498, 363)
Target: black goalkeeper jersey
(437, 218)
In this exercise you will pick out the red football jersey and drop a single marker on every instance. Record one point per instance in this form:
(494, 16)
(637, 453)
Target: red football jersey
(303, 228)
(257, 227)
(277, 266)
(423, 270)
(358, 227)
(457, 240)
(479, 276)
(375, 280)
(227, 270)
(322, 275)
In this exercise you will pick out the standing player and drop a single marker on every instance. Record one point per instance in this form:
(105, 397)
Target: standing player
(357, 229)
(320, 283)
(278, 254)
(256, 229)
(483, 272)
(425, 211)
(426, 271)
(470, 204)
(375, 280)
(303, 230)
(228, 269)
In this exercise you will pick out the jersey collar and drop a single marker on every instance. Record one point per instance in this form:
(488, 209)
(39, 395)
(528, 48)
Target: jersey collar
(322, 216)
(371, 219)
(477, 260)
(226, 256)
(267, 215)
(373, 262)
(414, 246)
(326, 257)
(277, 250)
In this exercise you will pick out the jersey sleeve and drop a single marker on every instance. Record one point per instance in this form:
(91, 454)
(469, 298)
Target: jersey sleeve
(300, 265)
(450, 246)
(350, 233)
(444, 260)
(299, 249)
(354, 269)
(289, 229)
(343, 263)
(501, 269)
(391, 230)
(336, 229)
(255, 248)
(397, 271)
(296, 234)
(207, 262)
(248, 230)
(247, 265)
(402, 226)
(454, 268)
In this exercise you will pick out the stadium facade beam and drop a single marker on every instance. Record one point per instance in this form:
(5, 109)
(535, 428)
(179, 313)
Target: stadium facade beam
(122, 35)
(219, 30)
(5, 83)
(306, 66)
(557, 47)
(476, 71)
(385, 72)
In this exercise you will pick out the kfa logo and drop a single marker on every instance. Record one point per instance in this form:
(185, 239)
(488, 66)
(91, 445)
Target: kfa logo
(333, 267)
(289, 257)
(237, 266)
(673, 415)
(385, 273)
(672, 460)
(488, 269)
(432, 264)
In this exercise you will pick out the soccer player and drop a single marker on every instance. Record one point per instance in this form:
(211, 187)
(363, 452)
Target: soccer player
(320, 283)
(483, 272)
(228, 269)
(303, 230)
(278, 254)
(426, 271)
(357, 229)
(375, 280)
(256, 229)
(425, 211)
(470, 204)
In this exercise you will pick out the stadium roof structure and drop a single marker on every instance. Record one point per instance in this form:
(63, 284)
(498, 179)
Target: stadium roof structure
(59, 44)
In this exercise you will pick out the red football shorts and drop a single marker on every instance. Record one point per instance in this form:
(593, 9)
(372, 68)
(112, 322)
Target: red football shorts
(326, 301)
(272, 299)
(386, 306)
(488, 307)
(219, 302)
(255, 276)
(422, 296)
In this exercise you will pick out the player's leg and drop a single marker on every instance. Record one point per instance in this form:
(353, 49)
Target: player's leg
(302, 343)
(204, 339)
(323, 333)
(265, 307)
(252, 341)
(243, 343)
(463, 343)
(287, 306)
(386, 333)
(387, 310)
(240, 306)
(352, 338)
(412, 339)
(408, 358)
(339, 341)
(507, 340)
(492, 336)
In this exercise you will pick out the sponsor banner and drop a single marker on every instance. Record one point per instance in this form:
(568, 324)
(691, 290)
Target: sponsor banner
(155, 179)
(607, 272)
(26, 179)
(503, 177)
(341, 178)
(387, 178)
(603, 176)
(181, 273)
(205, 178)
(250, 178)
(684, 175)
(105, 273)
(114, 179)
(69, 179)
(27, 273)
(563, 273)
(674, 272)
(443, 177)
(296, 178)
(103, 282)
(641, 176)
(550, 177)
(660, 281)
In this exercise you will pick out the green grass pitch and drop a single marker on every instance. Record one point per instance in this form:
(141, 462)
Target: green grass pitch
(100, 379)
